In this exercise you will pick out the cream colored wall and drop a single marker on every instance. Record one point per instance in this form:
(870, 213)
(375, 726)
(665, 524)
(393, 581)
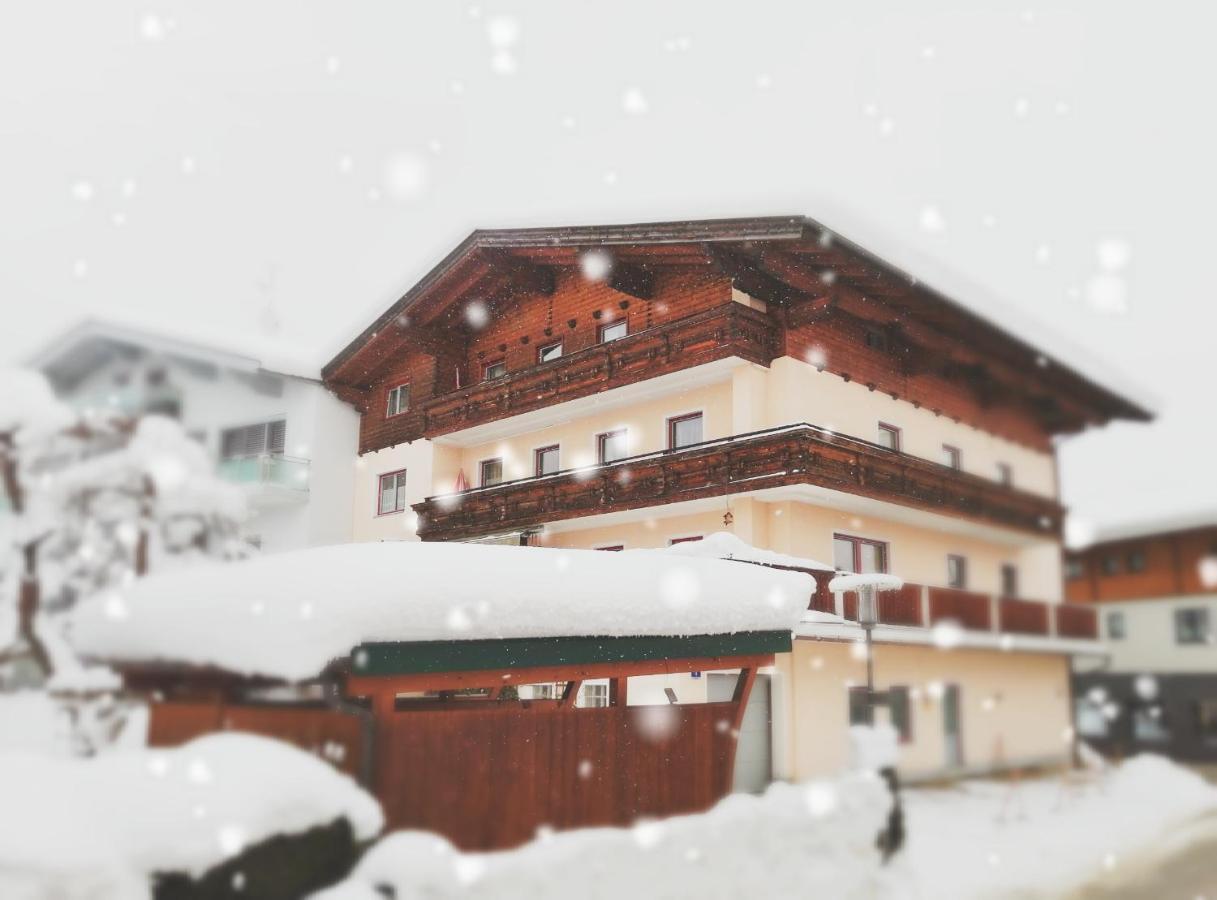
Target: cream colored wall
(1014, 706)
(646, 423)
(796, 392)
(917, 554)
(418, 459)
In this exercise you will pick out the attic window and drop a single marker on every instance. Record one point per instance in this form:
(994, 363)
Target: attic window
(876, 339)
(496, 369)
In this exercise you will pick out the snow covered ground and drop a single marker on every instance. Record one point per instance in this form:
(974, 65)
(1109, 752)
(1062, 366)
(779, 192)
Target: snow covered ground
(72, 829)
(983, 840)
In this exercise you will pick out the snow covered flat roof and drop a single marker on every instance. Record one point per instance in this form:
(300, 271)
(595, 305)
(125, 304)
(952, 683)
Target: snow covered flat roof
(724, 545)
(289, 615)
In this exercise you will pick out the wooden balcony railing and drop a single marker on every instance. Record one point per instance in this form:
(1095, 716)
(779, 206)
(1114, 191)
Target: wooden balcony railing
(791, 455)
(921, 606)
(731, 329)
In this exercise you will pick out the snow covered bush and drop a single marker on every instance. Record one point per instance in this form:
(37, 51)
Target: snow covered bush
(105, 828)
(815, 839)
(88, 504)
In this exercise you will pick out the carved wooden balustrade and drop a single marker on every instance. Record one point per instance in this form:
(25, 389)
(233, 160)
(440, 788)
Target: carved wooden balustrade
(790, 455)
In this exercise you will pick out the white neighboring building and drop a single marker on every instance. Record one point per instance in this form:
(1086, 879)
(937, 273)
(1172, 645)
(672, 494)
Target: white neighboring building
(267, 419)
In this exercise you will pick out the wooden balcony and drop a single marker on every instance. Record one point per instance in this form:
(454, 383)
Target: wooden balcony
(731, 329)
(920, 606)
(791, 455)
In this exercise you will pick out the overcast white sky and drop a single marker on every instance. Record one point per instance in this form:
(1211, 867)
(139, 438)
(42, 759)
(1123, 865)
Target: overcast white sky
(292, 167)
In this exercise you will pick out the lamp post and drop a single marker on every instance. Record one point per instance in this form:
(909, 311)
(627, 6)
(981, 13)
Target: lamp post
(868, 618)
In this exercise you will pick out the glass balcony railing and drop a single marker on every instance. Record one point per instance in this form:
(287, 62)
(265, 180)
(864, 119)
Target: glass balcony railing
(287, 472)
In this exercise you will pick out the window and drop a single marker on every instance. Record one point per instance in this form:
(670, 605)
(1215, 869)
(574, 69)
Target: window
(952, 457)
(1206, 720)
(876, 339)
(899, 711)
(1110, 564)
(1115, 625)
(683, 540)
(549, 691)
(594, 695)
(684, 431)
(546, 459)
(1090, 719)
(858, 555)
(1009, 580)
(254, 440)
(1135, 560)
(490, 472)
(612, 548)
(549, 352)
(613, 331)
(889, 436)
(1005, 474)
(957, 571)
(1192, 625)
(611, 446)
(496, 369)
(398, 400)
(1147, 725)
(1074, 569)
(392, 493)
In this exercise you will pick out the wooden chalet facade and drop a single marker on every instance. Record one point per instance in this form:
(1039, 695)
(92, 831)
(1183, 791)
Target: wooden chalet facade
(634, 386)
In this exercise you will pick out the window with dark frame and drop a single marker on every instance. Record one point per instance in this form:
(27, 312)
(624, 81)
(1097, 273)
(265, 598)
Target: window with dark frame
(611, 446)
(1192, 625)
(899, 710)
(957, 571)
(496, 369)
(889, 436)
(1115, 625)
(546, 459)
(614, 548)
(265, 438)
(1009, 580)
(490, 472)
(613, 331)
(1005, 474)
(397, 401)
(672, 542)
(876, 339)
(684, 431)
(1074, 569)
(549, 352)
(1134, 561)
(1110, 564)
(952, 457)
(392, 497)
(860, 556)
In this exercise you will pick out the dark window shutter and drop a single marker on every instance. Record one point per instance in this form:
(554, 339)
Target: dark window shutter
(276, 438)
(898, 707)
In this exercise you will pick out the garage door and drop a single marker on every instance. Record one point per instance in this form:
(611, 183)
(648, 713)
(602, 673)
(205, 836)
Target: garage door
(754, 755)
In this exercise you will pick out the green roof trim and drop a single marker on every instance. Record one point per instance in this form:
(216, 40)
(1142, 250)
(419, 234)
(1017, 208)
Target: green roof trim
(428, 657)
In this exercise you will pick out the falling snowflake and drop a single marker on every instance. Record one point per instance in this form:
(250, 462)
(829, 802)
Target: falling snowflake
(1022, 106)
(887, 126)
(988, 220)
(80, 268)
(504, 62)
(634, 102)
(332, 65)
(1106, 293)
(405, 175)
(609, 177)
(152, 28)
(458, 619)
(679, 588)
(947, 634)
(231, 839)
(1207, 570)
(596, 264)
(585, 769)
(502, 31)
(647, 834)
(657, 723)
(83, 191)
(821, 800)
(468, 869)
(931, 219)
(115, 607)
(476, 314)
(346, 163)
(198, 772)
(1043, 254)
(1146, 687)
(189, 165)
(457, 86)
(764, 81)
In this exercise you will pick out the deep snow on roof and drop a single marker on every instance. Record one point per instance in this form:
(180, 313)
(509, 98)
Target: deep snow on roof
(289, 615)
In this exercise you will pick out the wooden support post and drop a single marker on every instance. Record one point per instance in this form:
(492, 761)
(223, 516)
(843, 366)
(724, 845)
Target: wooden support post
(570, 694)
(619, 691)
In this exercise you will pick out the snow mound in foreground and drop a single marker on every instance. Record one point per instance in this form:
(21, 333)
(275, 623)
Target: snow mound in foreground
(98, 828)
(814, 839)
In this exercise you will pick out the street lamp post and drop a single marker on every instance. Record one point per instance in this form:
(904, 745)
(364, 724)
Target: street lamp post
(868, 618)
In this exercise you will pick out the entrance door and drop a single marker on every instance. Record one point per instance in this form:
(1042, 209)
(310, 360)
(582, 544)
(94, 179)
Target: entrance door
(753, 753)
(952, 726)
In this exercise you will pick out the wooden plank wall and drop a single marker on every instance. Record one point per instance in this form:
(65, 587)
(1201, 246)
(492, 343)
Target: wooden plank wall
(334, 736)
(489, 778)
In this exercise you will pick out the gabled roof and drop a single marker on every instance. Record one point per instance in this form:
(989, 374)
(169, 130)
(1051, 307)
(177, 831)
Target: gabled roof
(91, 343)
(784, 260)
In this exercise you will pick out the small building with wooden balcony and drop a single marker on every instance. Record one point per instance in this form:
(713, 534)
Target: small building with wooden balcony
(1153, 587)
(641, 386)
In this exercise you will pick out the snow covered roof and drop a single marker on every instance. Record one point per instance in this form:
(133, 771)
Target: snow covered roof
(724, 545)
(289, 615)
(90, 343)
(1194, 520)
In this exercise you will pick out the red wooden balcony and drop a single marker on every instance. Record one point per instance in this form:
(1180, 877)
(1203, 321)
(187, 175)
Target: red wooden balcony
(731, 329)
(791, 455)
(916, 605)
